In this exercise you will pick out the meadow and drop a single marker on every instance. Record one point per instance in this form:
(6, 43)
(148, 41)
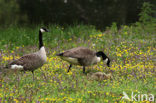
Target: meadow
(131, 49)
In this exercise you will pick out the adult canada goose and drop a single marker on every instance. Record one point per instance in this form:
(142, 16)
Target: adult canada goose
(31, 61)
(83, 56)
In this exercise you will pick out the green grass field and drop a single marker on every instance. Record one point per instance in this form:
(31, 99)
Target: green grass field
(131, 49)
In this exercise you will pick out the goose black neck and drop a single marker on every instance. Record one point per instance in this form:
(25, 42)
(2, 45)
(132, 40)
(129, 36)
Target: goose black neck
(40, 40)
(100, 53)
(104, 57)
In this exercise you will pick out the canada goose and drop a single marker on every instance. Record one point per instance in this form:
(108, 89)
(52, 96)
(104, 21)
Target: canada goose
(31, 61)
(83, 56)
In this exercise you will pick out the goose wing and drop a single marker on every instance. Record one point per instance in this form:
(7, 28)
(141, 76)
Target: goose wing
(79, 52)
(29, 62)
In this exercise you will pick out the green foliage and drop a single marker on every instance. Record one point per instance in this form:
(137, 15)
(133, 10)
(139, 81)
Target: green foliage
(146, 13)
(100, 13)
(16, 35)
(113, 28)
(132, 65)
(147, 23)
(10, 13)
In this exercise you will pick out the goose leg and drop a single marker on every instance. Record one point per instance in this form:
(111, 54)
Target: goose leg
(83, 69)
(69, 67)
(33, 74)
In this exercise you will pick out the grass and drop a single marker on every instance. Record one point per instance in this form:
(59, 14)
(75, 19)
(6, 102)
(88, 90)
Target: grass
(131, 50)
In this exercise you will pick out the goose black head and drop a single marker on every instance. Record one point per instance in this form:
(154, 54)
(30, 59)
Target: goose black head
(104, 57)
(43, 30)
(40, 36)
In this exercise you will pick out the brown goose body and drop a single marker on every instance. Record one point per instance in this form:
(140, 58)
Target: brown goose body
(30, 62)
(82, 56)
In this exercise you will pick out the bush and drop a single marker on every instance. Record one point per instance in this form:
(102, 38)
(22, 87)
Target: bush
(10, 13)
(146, 20)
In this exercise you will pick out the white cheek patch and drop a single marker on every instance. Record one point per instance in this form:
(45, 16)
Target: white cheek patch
(106, 60)
(98, 59)
(16, 67)
(42, 30)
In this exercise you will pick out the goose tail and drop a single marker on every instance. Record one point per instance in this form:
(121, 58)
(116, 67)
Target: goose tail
(60, 54)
